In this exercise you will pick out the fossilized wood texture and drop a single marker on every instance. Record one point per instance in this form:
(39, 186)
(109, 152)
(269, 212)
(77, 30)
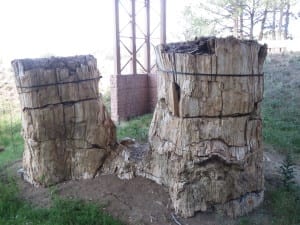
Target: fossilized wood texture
(67, 130)
(209, 153)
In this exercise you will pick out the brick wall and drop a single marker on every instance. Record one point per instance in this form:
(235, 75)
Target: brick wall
(132, 95)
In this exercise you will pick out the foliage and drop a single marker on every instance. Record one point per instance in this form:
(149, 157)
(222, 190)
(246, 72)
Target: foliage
(241, 18)
(135, 128)
(14, 211)
(195, 24)
(287, 172)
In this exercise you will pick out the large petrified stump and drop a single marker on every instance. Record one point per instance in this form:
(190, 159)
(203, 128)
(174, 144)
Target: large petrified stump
(205, 136)
(67, 130)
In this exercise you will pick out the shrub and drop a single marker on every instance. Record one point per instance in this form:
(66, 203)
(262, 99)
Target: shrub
(287, 172)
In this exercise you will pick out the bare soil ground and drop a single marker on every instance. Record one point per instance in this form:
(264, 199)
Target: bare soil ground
(141, 201)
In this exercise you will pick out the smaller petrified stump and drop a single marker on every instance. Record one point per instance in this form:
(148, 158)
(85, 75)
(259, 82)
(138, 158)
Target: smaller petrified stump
(205, 136)
(67, 130)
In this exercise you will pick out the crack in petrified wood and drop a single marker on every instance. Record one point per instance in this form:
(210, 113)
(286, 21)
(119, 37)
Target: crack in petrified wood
(59, 103)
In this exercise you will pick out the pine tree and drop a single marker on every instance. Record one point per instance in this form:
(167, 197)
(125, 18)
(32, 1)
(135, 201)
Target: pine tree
(287, 171)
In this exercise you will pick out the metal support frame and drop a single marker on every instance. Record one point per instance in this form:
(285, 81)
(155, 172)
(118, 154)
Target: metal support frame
(117, 56)
(147, 38)
(133, 41)
(163, 22)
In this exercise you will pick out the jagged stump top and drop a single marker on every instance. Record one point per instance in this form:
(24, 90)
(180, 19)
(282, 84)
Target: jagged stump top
(71, 63)
(233, 48)
(212, 77)
(60, 79)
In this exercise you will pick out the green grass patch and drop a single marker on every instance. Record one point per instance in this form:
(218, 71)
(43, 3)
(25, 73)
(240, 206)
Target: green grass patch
(281, 105)
(10, 137)
(280, 207)
(15, 211)
(135, 128)
(285, 206)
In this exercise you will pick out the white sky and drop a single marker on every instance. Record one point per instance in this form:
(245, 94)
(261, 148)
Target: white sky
(31, 28)
(35, 28)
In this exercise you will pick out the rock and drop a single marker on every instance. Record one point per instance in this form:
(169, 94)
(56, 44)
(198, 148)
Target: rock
(20, 172)
(67, 131)
(2, 149)
(120, 163)
(127, 141)
(207, 149)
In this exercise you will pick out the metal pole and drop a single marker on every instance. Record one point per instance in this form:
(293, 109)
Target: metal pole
(163, 36)
(133, 26)
(147, 38)
(117, 55)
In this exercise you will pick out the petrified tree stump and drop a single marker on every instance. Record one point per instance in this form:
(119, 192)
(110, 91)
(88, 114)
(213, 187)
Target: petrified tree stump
(67, 130)
(205, 136)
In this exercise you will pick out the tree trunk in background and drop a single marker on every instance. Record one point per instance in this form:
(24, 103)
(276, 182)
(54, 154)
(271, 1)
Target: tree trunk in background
(263, 22)
(241, 24)
(250, 18)
(236, 27)
(251, 36)
(281, 7)
(273, 28)
(287, 21)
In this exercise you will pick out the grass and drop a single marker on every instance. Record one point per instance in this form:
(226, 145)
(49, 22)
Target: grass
(15, 211)
(281, 129)
(280, 207)
(285, 206)
(10, 137)
(281, 105)
(136, 128)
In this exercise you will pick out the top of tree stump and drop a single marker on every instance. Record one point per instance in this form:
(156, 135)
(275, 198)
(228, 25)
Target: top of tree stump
(71, 63)
(202, 45)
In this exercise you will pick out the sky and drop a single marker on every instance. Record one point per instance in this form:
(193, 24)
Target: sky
(37, 28)
(31, 28)
(43, 28)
